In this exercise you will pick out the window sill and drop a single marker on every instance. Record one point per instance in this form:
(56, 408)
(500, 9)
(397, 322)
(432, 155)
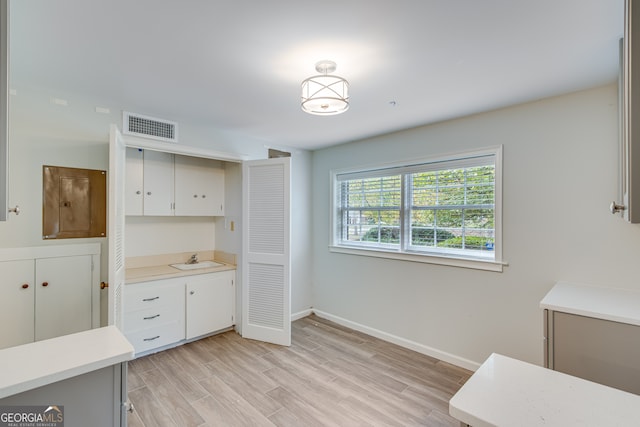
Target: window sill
(476, 264)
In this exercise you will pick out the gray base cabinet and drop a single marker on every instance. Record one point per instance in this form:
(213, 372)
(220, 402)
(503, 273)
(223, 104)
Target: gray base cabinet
(92, 399)
(598, 350)
(593, 333)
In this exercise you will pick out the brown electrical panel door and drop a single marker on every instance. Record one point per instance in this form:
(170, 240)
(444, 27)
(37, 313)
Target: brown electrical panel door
(74, 203)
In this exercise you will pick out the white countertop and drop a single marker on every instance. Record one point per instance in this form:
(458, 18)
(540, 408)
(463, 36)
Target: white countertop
(157, 272)
(509, 392)
(36, 364)
(618, 305)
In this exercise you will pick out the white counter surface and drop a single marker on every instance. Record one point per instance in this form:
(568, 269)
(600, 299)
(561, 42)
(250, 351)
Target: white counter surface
(509, 392)
(618, 305)
(33, 365)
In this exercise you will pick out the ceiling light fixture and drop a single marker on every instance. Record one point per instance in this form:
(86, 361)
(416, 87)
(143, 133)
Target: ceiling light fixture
(324, 94)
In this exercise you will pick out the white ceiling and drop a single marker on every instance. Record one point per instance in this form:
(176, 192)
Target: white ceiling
(237, 65)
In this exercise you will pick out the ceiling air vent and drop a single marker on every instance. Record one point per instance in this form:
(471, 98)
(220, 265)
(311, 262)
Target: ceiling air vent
(149, 127)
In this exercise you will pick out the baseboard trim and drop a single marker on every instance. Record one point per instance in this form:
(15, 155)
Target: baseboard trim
(301, 314)
(403, 342)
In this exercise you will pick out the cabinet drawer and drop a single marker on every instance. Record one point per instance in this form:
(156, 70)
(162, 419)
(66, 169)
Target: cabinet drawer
(151, 317)
(145, 296)
(148, 339)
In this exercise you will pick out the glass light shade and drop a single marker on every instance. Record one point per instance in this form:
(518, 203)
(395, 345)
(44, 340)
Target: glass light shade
(325, 95)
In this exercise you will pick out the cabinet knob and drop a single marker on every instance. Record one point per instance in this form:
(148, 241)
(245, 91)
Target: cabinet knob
(138, 192)
(192, 292)
(204, 195)
(25, 285)
(195, 196)
(615, 208)
(45, 284)
(148, 193)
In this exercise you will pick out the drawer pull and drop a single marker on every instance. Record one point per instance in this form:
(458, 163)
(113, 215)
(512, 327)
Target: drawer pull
(151, 339)
(151, 317)
(25, 286)
(150, 299)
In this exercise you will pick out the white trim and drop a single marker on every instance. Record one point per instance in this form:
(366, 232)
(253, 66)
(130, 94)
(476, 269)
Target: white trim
(488, 151)
(488, 265)
(53, 251)
(301, 314)
(402, 342)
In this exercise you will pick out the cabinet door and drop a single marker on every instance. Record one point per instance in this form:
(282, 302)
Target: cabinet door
(16, 303)
(598, 350)
(210, 303)
(199, 187)
(134, 182)
(62, 296)
(158, 183)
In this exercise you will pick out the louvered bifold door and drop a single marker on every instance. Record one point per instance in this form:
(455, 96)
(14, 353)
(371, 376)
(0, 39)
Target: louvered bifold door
(117, 156)
(266, 266)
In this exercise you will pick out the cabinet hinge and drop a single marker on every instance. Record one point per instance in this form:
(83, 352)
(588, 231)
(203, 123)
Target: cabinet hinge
(232, 319)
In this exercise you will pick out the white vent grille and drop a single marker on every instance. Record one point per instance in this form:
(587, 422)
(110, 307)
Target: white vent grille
(149, 127)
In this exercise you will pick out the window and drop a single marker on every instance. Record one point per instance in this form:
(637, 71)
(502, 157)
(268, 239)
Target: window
(444, 210)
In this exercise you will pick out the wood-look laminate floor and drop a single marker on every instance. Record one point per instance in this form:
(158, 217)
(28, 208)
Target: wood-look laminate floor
(330, 376)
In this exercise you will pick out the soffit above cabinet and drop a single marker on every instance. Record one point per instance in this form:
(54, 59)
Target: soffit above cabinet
(186, 150)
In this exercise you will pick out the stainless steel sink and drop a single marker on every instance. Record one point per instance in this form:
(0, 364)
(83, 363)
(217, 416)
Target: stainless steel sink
(198, 265)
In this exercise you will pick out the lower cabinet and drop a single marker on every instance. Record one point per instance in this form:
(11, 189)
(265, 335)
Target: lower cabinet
(598, 350)
(17, 306)
(154, 313)
(210, 303)
(47, 297)
(63, 296)
(593, 332)
(161, 313)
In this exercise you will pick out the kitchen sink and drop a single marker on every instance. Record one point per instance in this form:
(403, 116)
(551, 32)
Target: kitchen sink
(198, 265)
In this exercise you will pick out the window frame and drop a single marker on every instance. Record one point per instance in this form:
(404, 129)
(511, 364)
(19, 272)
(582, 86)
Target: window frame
(442, 257)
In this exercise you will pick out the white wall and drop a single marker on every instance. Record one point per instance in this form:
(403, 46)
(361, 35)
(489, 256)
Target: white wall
(166, 235)
(560, 174)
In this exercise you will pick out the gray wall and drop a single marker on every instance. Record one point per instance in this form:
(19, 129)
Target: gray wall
(560, 174)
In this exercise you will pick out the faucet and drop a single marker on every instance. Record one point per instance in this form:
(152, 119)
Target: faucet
(193, 259)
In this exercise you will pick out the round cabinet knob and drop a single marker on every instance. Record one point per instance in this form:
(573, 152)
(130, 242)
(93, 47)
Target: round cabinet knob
(45, 284)
(192, 292)
(204, 195)
(138, 192)
(148, 193)
(195, 196)
(25, 285)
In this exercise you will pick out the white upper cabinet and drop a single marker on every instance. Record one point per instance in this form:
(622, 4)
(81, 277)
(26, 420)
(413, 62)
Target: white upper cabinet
(134, 182)
(158, 183)
(164, 184)
(149, 183)
(199, 187)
